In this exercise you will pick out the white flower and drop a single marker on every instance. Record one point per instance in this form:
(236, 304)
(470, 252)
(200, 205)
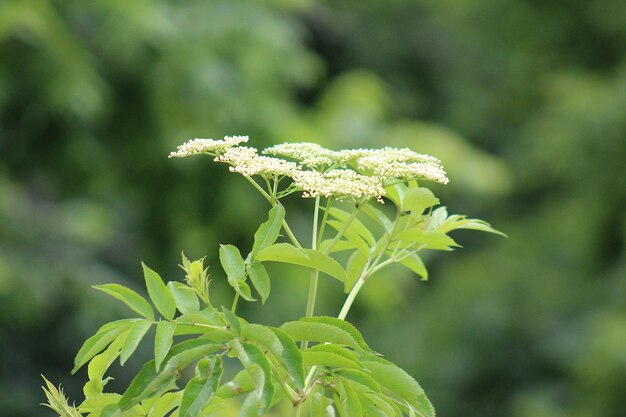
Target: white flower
(338, 183)
(207, 146)
(246, 161)
(393, 163)
(306, 153)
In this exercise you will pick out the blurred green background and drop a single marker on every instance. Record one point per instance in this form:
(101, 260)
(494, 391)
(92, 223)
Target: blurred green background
(523, 100)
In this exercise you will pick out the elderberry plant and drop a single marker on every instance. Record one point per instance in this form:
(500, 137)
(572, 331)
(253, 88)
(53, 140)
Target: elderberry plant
(332, 371)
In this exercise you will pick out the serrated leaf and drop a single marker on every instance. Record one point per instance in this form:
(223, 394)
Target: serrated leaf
(378, 216)
(348, 404)
(136, 332)
(343, 325)
(359, 377)
(200, 390)
(415, 264)
(164, 404)
(260, 279)
(337, 350)
(269, 230)
(417, 199)
(232, 320)
(129, 297)
(279, 344)
(242, 383)
(258, 366)
(311, 258)
(158, 292)
(356, 225)
(99, 364)
(400, 383)
(235, 268)
(185, 298)
(96, 343)
(429, 240)
(396, 193)
(351, 236)
(149, 381)
(329, 359)
(383, 406)
(318, 332)
(163, 340)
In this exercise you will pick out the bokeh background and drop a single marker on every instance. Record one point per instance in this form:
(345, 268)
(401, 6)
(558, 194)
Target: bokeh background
(523, 100)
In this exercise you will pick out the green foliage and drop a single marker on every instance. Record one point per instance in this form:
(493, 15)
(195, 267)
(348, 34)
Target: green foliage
(333, 368)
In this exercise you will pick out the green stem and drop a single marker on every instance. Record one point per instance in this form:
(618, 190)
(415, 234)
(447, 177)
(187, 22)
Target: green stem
(273, 202)
(339, 234)
(329, 202)
(261, 190)
(310, 305)
(234, 307)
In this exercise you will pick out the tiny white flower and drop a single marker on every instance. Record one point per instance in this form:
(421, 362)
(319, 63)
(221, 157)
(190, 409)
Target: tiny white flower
(246, 161)
(207, 146)
(393, 163)
(306, 154)
(338, 183)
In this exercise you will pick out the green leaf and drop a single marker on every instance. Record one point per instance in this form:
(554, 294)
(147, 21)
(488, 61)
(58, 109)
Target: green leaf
(351, 236)
(232, 320)
(291, 356)
(400, 383)
(158, 292)
(330, 359)
(321, 406)
(96, 343)
(416, 200)
(348, 404)
(357, 376)
(235, 269)
(429, 240)
(377, 405)
(311, 258)
(460, 222)
(163, 340)
(415, 264)
(279, 344)
(185, 297)
(354, 268)
(164, 404)
(200, 390)
(149, 381)
(396, 193)
(128, 297)
(269, 230)
(255, 362)
(318, 332)
(356, 225)
(242, 383)
(136, 332)
(336, 350)
(260, 279)
(378, 216)
(343, 325)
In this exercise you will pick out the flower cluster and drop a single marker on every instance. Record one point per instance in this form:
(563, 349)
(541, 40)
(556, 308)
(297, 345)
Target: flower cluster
(306, 153)
(246, 161)
(358, 174)
(338, 183)
(207, 146)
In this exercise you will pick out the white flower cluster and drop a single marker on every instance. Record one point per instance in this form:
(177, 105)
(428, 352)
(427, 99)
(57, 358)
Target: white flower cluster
(246, 161)
(355, 173)
(306, 153)
(391, 163)
(338, 183)
(207, 146)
